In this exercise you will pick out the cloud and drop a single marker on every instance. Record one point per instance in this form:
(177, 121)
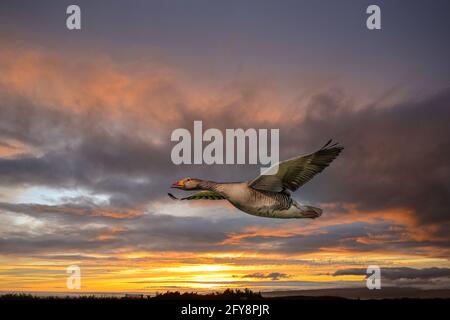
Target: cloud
(400, 273)
(38, 210)
(272, 275)
(71, 227)
(395, 157)
(104, 128)
(89, 124)
(109, 131)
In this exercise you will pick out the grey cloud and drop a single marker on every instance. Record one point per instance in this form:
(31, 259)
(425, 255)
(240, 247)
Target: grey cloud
(401, 145)
(272, 275)
(72, 227)
(400, 273)
(396, 156)
(69, 229)
(345, 237)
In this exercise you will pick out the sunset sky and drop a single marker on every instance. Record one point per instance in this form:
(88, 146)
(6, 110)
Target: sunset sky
(86, 118)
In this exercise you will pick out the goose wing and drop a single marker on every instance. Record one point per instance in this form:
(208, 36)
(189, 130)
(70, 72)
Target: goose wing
(202, 195)
(295, 172)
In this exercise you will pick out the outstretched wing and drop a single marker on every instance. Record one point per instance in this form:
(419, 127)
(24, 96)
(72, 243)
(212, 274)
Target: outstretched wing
(202, 195)
(295, 172)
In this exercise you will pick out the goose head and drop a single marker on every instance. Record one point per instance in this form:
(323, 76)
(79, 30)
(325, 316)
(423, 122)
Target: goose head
(187, 184)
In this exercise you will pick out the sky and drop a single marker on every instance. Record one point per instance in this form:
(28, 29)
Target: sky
(86, 118)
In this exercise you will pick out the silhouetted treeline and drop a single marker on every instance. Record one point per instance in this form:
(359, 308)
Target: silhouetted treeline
(228, 294)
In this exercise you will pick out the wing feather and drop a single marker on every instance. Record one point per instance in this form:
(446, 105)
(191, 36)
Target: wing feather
(202, 195)
(295, 172)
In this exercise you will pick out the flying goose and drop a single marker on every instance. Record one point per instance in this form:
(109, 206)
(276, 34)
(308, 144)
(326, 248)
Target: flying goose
(269, 194)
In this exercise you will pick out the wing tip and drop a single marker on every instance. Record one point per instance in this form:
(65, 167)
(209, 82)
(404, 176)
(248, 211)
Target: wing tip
(332, 145)
(171, 196)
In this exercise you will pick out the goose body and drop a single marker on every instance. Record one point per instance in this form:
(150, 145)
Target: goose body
(268, 195)
(264, 203)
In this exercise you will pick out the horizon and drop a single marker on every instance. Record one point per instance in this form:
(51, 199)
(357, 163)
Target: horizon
(351, 293)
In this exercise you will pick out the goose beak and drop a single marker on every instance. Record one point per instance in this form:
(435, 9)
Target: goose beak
(178, 184)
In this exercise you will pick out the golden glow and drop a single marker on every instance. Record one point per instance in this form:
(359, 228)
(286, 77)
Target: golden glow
(137, 274)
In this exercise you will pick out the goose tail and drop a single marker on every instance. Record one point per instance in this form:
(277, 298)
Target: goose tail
(309, 211)
(313, 211)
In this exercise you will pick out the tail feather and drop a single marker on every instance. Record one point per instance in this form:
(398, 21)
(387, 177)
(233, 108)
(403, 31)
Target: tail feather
(310, 211)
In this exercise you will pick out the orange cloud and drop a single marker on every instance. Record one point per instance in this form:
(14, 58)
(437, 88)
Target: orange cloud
(94, 212)
(11, 148)
(281, 231)
(147, 93)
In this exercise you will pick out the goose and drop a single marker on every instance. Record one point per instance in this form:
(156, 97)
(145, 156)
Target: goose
(268, 195)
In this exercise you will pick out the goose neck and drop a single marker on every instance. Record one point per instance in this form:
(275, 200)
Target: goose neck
(208, 185)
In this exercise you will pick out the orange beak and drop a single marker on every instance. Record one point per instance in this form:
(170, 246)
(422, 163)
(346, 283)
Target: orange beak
(178, 184)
